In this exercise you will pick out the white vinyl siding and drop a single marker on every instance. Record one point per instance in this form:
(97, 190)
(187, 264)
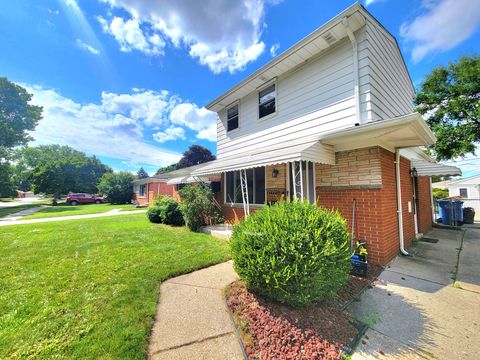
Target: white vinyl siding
(315, 98)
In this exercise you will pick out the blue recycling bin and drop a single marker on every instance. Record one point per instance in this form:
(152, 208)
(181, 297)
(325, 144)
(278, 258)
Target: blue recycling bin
(451, 211)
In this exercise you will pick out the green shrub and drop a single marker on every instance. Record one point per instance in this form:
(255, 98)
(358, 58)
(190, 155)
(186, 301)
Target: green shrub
(117, 187)
(198, 207)
(170, 212)
(292, 252)
(165, 210)
(153, 214)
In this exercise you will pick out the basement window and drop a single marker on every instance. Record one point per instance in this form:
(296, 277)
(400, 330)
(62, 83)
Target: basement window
(232, 118)
(266, 101)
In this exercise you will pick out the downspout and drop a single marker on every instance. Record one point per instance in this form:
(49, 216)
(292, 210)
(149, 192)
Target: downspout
(356, 76)
(431, 200)
(399, 202)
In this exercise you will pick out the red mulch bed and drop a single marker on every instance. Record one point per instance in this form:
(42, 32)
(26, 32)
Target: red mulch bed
(273, 331)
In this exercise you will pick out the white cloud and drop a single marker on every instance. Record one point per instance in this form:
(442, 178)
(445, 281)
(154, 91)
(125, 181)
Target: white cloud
(370, 2)
(95, 129)
(201, 120)
(221, 34)
(444, 25)
(84, 46)
(273, 49)
(131, 37)
(148, 106)
(171, 133)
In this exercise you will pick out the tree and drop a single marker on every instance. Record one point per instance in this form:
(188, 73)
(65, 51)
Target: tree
(142, 174)
(117, 187)
(17, 117)
(167, 169)
(195, 155)
(7, 185)
(56, 170)
(450, 98)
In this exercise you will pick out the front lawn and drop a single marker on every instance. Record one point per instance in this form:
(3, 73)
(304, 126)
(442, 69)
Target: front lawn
(88, 288)
(69, 210)
(9, 210)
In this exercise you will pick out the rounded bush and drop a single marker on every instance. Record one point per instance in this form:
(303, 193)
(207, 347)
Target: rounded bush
(170, 213)
(292, 252)
(153, 214)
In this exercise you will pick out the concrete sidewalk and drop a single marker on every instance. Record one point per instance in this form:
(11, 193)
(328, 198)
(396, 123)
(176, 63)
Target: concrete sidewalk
(415, 312)
(113, 212)
(18, 215)
(192, 321)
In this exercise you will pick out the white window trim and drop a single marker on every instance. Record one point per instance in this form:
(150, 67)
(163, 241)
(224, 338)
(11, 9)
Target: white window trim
(264, 86)
(252, 205)
(226, 118)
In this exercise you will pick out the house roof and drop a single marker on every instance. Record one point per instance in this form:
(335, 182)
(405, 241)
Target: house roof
(310, 46)
(302, 52)
(156, 178)
(472, 180)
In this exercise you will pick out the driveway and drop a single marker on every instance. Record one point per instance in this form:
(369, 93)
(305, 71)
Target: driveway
(414, 311)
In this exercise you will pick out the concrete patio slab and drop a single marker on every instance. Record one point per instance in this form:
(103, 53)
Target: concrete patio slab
(378, 346)
(219, 348)
(192, 320)
(417, 312)
(469, 263)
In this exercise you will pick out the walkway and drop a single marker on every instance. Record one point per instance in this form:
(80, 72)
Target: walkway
(114, 212)
(415, 312)
(18, 215)
(192, 321)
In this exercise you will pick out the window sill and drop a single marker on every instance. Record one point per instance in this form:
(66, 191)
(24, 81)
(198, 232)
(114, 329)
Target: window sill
(267, 117)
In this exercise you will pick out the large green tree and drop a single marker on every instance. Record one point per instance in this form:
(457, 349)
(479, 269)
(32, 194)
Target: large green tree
(17, 116)
(450, 99)
(117, 187)
(56, 170)
(195, 155)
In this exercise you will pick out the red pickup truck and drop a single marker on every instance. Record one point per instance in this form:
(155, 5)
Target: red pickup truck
(84, 198)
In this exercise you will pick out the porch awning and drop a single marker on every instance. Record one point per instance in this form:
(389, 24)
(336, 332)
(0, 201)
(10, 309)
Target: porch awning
(311, 150)
(186, 180)
(425, 168)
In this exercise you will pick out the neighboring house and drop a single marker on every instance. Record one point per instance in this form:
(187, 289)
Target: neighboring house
(330, 120)
(146, 189)
(468, 189)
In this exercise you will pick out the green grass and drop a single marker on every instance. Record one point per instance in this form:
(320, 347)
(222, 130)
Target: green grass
(7, 199)
(4, 211)
(69, 210)
(88, 288)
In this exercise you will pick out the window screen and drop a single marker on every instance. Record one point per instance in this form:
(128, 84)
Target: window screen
(232, 118)
(266, 101)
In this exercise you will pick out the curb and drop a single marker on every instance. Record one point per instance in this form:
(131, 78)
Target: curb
(237, 332)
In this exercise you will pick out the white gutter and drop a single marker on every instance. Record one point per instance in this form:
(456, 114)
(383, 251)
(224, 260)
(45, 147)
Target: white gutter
(399, 202)
(431, 199)
(356, 80)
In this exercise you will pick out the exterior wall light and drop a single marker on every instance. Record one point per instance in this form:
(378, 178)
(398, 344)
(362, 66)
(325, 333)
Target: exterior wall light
(274, 173)
(413, 172)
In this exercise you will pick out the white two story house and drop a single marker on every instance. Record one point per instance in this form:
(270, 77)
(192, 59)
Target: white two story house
(330, 120)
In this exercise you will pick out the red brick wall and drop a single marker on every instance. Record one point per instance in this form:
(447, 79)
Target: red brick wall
(376, 219)
(425, 204)
(154, 189)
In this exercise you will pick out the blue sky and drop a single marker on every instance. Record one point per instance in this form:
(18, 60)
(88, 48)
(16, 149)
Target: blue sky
(127, 80)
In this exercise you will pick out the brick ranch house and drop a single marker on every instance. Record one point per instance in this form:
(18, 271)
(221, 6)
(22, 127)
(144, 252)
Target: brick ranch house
(330, 120)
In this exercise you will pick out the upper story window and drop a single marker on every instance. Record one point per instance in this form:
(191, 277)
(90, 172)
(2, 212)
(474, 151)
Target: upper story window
(232, 118)
(266, 101)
